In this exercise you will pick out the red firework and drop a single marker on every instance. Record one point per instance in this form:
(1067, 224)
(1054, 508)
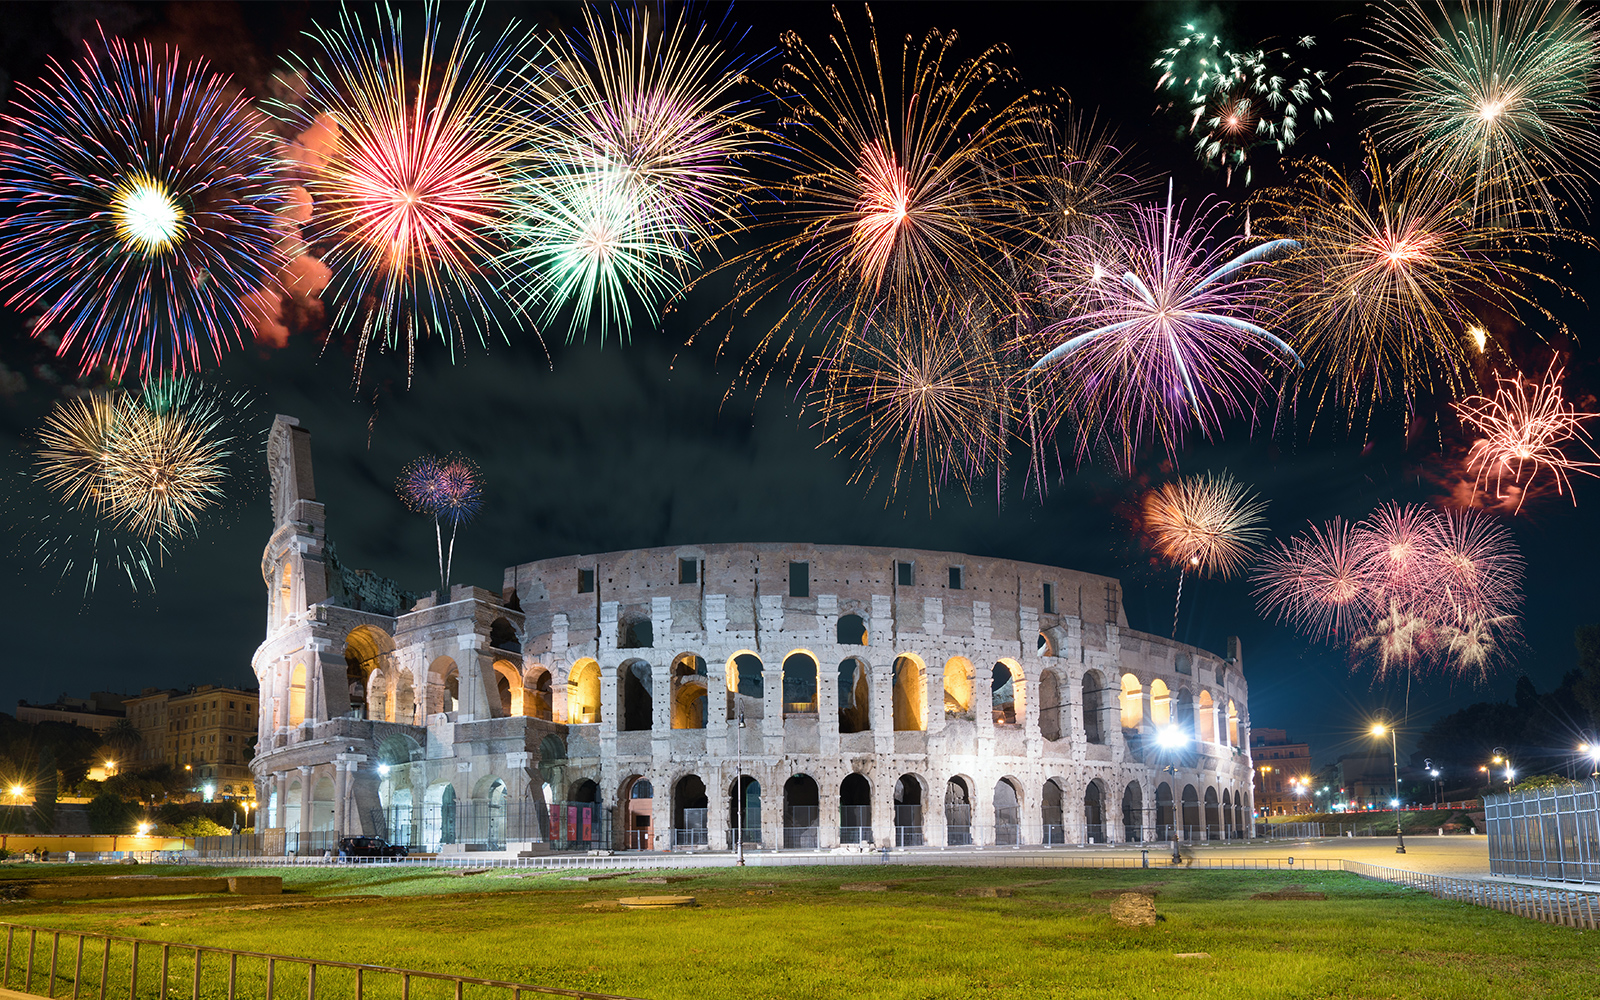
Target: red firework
(1528, 427)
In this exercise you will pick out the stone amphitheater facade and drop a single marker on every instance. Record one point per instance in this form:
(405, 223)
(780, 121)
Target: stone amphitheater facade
(856, 695)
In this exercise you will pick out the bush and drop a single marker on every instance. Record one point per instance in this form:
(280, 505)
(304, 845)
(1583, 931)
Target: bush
(193, 826)
(109, 814)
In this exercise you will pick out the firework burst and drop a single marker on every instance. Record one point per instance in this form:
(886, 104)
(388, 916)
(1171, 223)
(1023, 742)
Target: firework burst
(1164, 331)
(1385, 284)
(1501, 94)
(446, 489)
(1527, 429)
(409, 201)
(1320, 582)
(141, 208)
(1207, 525)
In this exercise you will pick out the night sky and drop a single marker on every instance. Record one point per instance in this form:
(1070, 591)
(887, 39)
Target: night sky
(595, 448)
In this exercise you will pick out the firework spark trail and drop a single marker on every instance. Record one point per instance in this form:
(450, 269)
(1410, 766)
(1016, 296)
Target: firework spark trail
(446, 489)
(1208, 525)
(1320, 582)
(1163, 332)
(639, 147)
(1385, 282)
(141, 208)
(1504, 95)
(898, 188)
(1527, 427)
(409, 202)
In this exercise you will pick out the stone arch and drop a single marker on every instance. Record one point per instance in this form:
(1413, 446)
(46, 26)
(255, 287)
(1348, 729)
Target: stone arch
(1050, 705)
(851, 631)
(286, 593)
(439, 815)
(291, 808)
(1133, 813)
(1183, 711)
(636, 802)
(1165, 818)
(855, 809)
(538, 692)
(958, 674)
(1213, 818)
(750, 788)
(444, 686)
(801, 811)
(910, 693)
(689, 684)
(379, 696)
(635, 696)
(1053, 812)
(958, 794)
(746, 685)
(1131, 702)
(1094, 812)
(583, 692)
(503, 635)
(800, 673)
(508, 687)
(689, 807)
(487, 820)
(910, 795)
(855, 696)
(635, 630)
(1227, 815)
(1206, 714)
(1160, 703)
(1007, 811)
(1233, 725)
(404, 694)
(585, 815)
(366, 649)
(297, 694)
(1092, 686)
(1007, 691)
(1191, 813)
(1239, 813)
(322, 805)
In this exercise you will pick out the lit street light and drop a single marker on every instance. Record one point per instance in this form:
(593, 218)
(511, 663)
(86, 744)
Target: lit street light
(1171, 739)
(1378, 729)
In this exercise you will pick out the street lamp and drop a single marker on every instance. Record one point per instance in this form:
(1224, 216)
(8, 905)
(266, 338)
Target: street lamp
(1593, 752)
(1171, 739)
(1501, 756)
(1438, 785)
(1378, 729)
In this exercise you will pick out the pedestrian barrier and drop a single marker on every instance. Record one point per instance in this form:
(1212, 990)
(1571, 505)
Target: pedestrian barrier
(1567, 907)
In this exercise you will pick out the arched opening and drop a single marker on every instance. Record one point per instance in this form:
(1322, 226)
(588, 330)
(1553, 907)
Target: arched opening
(444, 686)
(635, 631)
(1007, 813)
(635, 707)
(1164, 820)
(503, 635)
(402, 825)
(1239, 813)
(957, 812)
(380, 695)
(855, 810)
(1131, 702)
(286, 594)
(538, 695)
(1050, 705)
(1094, 813)
(404, 694)
(581, 820)
(364, 650)
(1191, 813)
(799, 684)
(291, 813)
(1006, 689)
(1213, 817)
(486, 819)
(297, 694)
(1227, 816)
(1055, 827)
(508, 686)
(1233, 725)
(852, 631)
(1045, 645)
(689, 805)
(638, 801)
(910, 693)
(1207, 716)
(801, 807)
(583, 693)
(958, 688)
(855, 697)
(1133, 813)
(744, 811)
(745, 686)
(322, 806)
(1183, 711)
(689, 685)
(908, 811)
(1091, 707)
(1160, 704)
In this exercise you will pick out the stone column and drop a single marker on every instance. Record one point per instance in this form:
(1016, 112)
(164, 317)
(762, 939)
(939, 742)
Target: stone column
(828, 805)
(317, 684)
(934, 833)
(306, 774)
(345, 765)
(982, 809)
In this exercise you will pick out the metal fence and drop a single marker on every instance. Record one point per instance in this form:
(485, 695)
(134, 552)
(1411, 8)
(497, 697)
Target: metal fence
(1546, 833)
(48, 962)
(1567, 907)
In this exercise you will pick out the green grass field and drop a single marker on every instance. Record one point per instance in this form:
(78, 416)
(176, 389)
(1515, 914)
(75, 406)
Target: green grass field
(792, 932)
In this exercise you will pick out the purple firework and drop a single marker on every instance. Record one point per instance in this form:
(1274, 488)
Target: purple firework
(448, 489)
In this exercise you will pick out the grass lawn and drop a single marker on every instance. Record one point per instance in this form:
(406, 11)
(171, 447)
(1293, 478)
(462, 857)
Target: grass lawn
(792, 933)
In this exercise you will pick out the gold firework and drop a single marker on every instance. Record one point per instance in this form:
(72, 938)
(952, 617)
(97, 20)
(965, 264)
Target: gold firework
(75, 448)
(1207, 525)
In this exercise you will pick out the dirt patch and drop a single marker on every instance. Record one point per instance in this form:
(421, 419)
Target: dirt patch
(601, 904)
(1134, 909)
(864, 887)
(1291, 892)
(988, 891)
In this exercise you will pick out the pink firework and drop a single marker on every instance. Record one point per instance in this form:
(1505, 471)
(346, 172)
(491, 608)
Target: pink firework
(1320, 582)
(883, 210)
(1476, 571)
(1528, 428)
(1397, 542)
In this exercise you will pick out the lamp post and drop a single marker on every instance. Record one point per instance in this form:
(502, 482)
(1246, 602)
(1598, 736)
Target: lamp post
(738, 789)
(1378, 730)
(1170, 739)
(1593, 752)
(1438, 785)
(1501, 756)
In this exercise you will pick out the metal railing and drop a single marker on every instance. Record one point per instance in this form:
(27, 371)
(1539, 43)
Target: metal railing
(1567, 907)
(106, 966)
(1546, 833)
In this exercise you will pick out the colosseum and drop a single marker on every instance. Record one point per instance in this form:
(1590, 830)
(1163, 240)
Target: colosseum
(879, 697)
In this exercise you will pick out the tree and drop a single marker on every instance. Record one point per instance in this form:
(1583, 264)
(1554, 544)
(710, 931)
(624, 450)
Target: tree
(1587, 689)
(109, 814)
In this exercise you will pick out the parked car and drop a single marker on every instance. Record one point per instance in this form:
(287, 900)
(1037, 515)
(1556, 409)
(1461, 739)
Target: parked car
(369, 847)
